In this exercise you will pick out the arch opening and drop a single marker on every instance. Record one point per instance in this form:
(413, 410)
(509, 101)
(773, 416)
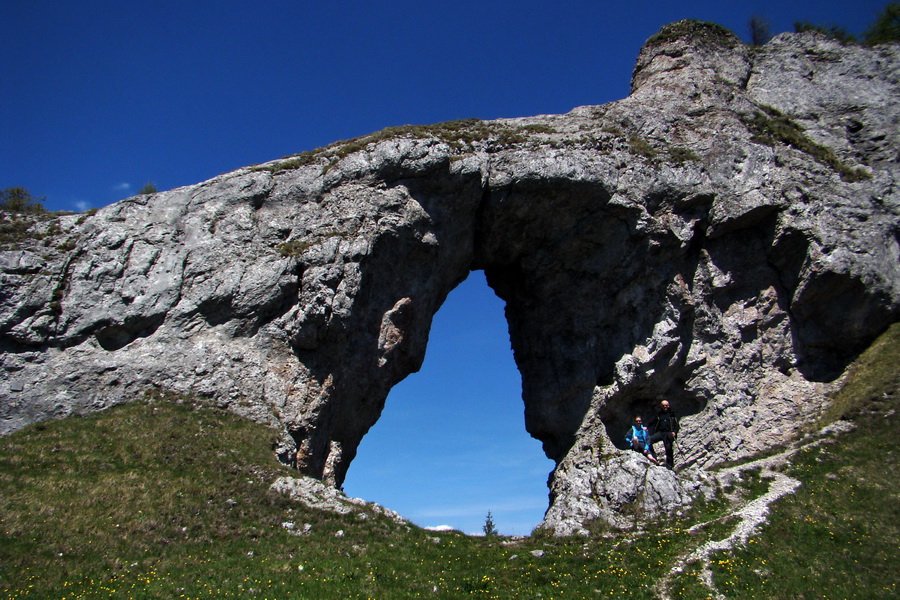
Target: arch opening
(451, 443)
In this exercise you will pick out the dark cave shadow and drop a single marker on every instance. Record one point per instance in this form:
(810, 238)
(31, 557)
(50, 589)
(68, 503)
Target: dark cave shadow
(644, 403)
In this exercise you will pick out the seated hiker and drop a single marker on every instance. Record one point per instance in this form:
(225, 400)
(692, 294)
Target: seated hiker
(639, 439)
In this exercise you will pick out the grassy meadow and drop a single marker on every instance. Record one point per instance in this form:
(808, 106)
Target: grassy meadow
(165, 499)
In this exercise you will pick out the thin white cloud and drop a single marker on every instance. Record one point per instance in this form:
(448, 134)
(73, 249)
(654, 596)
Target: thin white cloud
(122, 187)
(82, 205)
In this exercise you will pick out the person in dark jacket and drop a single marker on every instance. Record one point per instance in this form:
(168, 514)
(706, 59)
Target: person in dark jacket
(639, 439)
(664, 425)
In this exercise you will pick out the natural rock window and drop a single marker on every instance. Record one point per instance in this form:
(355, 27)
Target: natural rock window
(724, 237)
(451, 443)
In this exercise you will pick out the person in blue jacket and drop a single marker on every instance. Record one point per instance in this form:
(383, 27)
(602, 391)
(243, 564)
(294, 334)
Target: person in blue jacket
(639, 439)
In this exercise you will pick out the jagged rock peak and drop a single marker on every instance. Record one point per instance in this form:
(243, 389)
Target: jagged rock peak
(708, 50)
(726, 237)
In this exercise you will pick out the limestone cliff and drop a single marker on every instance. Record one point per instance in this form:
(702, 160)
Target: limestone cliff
(726, 237)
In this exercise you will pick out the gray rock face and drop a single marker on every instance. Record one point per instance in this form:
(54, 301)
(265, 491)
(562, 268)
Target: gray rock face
(725, 237)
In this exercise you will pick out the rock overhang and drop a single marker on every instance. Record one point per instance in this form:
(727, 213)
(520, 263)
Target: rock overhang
(646, 248)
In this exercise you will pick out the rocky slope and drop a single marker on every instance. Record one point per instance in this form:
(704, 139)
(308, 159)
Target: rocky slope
(725, 237)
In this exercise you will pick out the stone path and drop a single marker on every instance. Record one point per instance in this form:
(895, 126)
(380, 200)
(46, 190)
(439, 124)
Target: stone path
(751, 515)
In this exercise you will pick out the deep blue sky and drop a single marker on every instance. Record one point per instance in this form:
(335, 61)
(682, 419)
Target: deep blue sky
(99, 98)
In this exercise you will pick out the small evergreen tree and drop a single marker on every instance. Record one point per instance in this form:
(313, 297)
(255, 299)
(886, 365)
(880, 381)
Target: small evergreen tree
(488, 527)
(20, 200)
(149, 188)
(760, 30)
(886, 27)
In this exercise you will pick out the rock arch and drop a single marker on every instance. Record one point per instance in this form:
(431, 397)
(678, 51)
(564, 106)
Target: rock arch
(666, 244)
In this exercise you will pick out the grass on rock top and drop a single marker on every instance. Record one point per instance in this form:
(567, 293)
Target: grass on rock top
(459, 135)
(771, 127)
(163, 499)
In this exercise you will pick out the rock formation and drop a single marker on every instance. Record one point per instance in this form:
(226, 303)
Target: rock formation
(725, 237)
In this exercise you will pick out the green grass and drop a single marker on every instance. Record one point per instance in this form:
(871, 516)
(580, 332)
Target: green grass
(697, 32)
(18, 229)
(27, 230)
(836, 537)
(164, 499)
(870, 380)
(771, 127)
(14, 231)
(679, 155)
(641, 147)
(161, 498)
(460, 135)
(824, 544)
(673, 155)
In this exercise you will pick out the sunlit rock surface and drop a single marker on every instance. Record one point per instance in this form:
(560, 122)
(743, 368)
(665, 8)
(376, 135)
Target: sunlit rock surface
(725, 237)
